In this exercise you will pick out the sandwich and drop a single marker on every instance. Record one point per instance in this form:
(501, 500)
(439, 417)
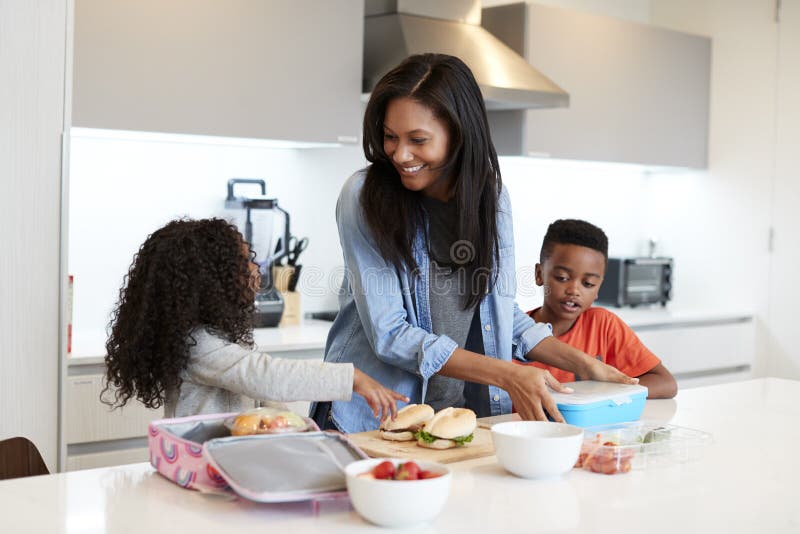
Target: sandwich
(267, 420)
(451, 427)
(409, 419)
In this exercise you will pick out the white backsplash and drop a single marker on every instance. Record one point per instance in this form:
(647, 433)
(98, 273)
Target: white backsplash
(121, 190)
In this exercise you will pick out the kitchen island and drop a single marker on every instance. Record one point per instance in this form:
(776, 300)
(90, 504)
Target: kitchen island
(745, 481)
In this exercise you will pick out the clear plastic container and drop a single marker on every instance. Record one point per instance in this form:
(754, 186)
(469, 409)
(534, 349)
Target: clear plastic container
(622, 447)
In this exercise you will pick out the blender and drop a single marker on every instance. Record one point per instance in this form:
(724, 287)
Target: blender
(269, 303)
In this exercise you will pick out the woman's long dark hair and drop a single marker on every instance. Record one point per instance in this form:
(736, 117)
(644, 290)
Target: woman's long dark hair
(187, 274)
(394, 214)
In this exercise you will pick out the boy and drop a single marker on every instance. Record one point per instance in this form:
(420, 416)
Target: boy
(571, 267)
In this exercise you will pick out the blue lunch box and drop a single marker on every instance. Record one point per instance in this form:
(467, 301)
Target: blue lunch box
(600, 403)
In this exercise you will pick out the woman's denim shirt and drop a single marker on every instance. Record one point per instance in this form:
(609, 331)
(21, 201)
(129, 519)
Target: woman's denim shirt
(384, 321)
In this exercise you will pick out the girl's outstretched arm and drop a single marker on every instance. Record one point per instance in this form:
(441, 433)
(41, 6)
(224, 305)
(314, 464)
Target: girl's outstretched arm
(383, 401)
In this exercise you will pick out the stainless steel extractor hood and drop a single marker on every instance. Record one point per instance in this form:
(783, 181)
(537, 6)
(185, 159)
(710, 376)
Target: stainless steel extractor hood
(395, 29)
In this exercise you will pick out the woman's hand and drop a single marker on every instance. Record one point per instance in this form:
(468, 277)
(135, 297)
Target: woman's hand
(383, 401)
(527, 387)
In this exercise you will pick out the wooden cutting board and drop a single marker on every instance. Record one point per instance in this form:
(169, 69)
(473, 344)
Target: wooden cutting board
(489, 422)
(372, 444)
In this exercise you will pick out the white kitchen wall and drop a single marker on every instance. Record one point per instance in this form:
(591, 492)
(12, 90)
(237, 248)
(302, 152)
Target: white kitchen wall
(123, 189)
(721, 221)
(714, 223)
(542, 191)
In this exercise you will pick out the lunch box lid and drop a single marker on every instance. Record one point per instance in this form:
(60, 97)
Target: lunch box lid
(590, 394)
(283, 467)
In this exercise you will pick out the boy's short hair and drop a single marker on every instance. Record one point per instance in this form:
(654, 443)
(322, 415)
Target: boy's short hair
(573, 232)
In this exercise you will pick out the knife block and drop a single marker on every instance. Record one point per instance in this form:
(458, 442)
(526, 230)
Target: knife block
(291, 308)
(280, 278)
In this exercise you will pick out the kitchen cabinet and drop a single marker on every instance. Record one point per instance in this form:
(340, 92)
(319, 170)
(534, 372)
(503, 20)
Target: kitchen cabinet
(783, 335)
(703, 352)
(97, 421)
(699, 346)
(33, 37)
(278, 69)
(96, 436)
(638, 94)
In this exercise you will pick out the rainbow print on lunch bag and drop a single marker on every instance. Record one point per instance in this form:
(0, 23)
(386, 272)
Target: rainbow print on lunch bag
(181, 460)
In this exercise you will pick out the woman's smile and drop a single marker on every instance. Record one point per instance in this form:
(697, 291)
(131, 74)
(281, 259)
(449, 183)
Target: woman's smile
(411, 171)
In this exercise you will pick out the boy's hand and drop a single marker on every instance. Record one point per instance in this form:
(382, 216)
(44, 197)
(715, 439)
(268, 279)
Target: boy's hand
(555, 353)
(597, 370)
(383, 401)
(527, 387)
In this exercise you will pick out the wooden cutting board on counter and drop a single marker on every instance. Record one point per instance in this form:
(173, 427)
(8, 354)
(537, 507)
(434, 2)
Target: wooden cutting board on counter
(372, 444)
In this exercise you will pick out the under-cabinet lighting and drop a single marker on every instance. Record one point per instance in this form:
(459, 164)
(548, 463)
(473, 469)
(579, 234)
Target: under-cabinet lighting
(160, 137)
(542, 160)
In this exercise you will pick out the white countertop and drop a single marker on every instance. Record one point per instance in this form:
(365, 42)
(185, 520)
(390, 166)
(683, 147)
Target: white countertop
(88, 346)
(309, 334)
(655, 316)
(746, 482)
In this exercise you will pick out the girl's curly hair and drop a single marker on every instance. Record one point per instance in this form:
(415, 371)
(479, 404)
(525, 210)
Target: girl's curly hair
(188, 274)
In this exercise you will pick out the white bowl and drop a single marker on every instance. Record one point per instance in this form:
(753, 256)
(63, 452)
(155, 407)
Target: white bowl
(395, 503)
(537, 449)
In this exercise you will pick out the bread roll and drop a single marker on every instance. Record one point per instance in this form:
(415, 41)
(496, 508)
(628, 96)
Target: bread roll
(440, 444)
(397, 435)
(246, 424)
(452, 423)
(408, 416)
(446, 427)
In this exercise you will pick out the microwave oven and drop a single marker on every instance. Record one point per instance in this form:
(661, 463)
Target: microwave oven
(636, 281)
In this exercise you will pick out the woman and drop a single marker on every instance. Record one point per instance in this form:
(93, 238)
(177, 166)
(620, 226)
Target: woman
(429, 259)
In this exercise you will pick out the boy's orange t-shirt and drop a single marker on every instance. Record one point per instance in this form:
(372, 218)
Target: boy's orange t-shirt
(599, 332)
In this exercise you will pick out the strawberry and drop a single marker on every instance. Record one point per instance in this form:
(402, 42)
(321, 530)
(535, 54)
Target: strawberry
(428, 474)
(407, 471)
(384, 470)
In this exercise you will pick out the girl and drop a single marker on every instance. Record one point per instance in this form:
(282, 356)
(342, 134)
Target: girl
(429, 255)
(182, 334)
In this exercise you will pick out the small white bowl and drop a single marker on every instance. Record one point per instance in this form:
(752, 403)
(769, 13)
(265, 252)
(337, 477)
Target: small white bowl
(396, 503)
(537, 449)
